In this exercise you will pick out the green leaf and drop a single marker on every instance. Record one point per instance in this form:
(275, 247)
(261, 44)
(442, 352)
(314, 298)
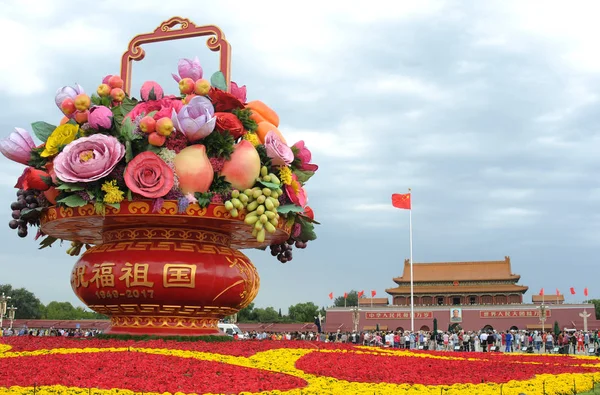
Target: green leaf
(303, 175)
(73, 201)
(114, 205)
(289, 208)
(152, 113)
(99, 208)
(106, 101)
(219, 145)
(152, 95)
(153, 148)
(129, 195)
(127, 105)
(47, 242)
(31, 213)
(308, 230)
(203, 198)
(42, 130)
(70, 187)
(96, 100)
(47, 180)
(72, 122)
(128, 151)
(218, 81)
(270, 185)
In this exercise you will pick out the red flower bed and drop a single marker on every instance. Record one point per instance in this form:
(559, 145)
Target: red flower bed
(141, 373)
(370, 368)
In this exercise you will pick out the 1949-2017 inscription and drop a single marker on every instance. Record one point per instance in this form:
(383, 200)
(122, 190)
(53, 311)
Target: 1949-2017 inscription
(106, 278)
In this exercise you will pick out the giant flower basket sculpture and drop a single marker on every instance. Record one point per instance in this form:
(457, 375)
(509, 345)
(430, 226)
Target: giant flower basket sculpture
(164, 191)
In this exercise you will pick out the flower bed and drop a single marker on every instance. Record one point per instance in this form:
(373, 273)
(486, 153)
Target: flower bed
(59, 365)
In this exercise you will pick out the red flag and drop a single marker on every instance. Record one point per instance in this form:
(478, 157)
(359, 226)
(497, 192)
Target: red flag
(585, 291)
(542, 292)
(557, 292)
(401, 200)
(361, 293)
(331, 295)
(373, 293)
(572, 291)
(345, 295)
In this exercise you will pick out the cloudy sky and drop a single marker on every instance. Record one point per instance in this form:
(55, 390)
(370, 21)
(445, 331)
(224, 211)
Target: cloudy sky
(487, 110)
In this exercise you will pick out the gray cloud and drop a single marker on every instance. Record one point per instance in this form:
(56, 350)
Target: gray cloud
(489, 119)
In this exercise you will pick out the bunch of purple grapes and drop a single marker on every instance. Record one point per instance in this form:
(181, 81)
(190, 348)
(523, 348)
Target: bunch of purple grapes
(25, 200)
(283, 251)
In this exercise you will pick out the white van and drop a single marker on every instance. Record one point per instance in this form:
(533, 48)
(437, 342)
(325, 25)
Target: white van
(230, 330)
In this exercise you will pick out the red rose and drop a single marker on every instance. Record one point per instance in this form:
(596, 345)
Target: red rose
(149, 176)
(223, 101)
(164, 107)
(227, 121)
(32, 179)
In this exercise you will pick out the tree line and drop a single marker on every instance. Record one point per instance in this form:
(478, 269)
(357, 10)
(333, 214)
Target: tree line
(30, 307)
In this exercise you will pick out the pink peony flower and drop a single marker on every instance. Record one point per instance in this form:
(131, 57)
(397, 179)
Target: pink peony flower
(147, 87)
(238, 91)
(17, 146)
(164, 107)
(67, 92)
(280, 154)
(296, 193)
(188, 68)
(196, 120)
(304, 156)
(100, 117)
(88, 158)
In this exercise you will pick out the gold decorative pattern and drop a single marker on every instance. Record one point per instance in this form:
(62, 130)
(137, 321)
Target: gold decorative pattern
(171, 234)
(192, 247)
(250, 277)
(86, 210)
(164, 310)
(139, 207)
(66, 211)
(118, 322)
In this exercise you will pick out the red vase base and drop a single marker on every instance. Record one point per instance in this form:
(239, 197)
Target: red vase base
(163, 326)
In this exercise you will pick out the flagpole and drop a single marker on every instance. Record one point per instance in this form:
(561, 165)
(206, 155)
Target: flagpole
(412, 304)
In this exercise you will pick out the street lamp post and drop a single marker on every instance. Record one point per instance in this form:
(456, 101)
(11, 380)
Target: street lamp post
(3, 301)
(11, 315)
(355, 318)
(543, 311)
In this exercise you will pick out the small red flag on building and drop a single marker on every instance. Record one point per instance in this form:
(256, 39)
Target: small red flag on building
(557, 292)
(401, 200)
(361, 293)
(585, 291)
(572, 291)
(345, 295)
(542, 292)
(373, 293)
(331, 295)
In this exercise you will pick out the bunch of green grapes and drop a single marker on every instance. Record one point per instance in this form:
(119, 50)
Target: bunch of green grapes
(260, 204)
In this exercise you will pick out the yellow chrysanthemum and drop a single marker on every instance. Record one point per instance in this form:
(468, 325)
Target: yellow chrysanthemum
(62, 135)
(253, 138)
(285, 175)
(113, 193)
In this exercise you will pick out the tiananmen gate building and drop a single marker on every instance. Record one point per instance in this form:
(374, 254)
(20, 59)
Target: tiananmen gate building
(467, 295)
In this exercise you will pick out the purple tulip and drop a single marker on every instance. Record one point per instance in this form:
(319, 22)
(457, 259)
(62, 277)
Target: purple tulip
(196, 120)
(67, 92)
(88, 158)
(18, 146)
(188, 69)
(100, 117)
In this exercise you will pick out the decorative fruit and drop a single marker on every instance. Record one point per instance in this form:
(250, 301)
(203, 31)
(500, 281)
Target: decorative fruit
(264, 111)
(82, 102)
(117, 94)
(156, 139)
(103, 90)
(68, 106)
(242, 169)
(194, 170)
(151, 90)
(115, 82)
(188, 98)
(164, 126)
(186, 86)
(64, 120)
(202, 87)
(264, 128)
(147, 124)
(81, 117)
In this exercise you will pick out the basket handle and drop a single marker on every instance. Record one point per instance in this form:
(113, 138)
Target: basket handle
(165, 32)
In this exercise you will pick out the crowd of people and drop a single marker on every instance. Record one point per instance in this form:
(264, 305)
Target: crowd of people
(566, 342)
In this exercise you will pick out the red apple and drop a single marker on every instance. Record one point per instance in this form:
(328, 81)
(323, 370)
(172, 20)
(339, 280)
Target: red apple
(81, 117)
(243, 168)
(117, 94)
(68, 106)
(193, 169)
(202, 87)
(103, 90)
(115, 82)
(148, 124)
(186, 86)
(156, 139)
(164, 126)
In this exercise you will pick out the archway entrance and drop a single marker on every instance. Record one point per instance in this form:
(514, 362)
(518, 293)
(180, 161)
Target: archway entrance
(454, 327)
(514, 328)
(425, 328)
(487, 328)
(400, 329)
